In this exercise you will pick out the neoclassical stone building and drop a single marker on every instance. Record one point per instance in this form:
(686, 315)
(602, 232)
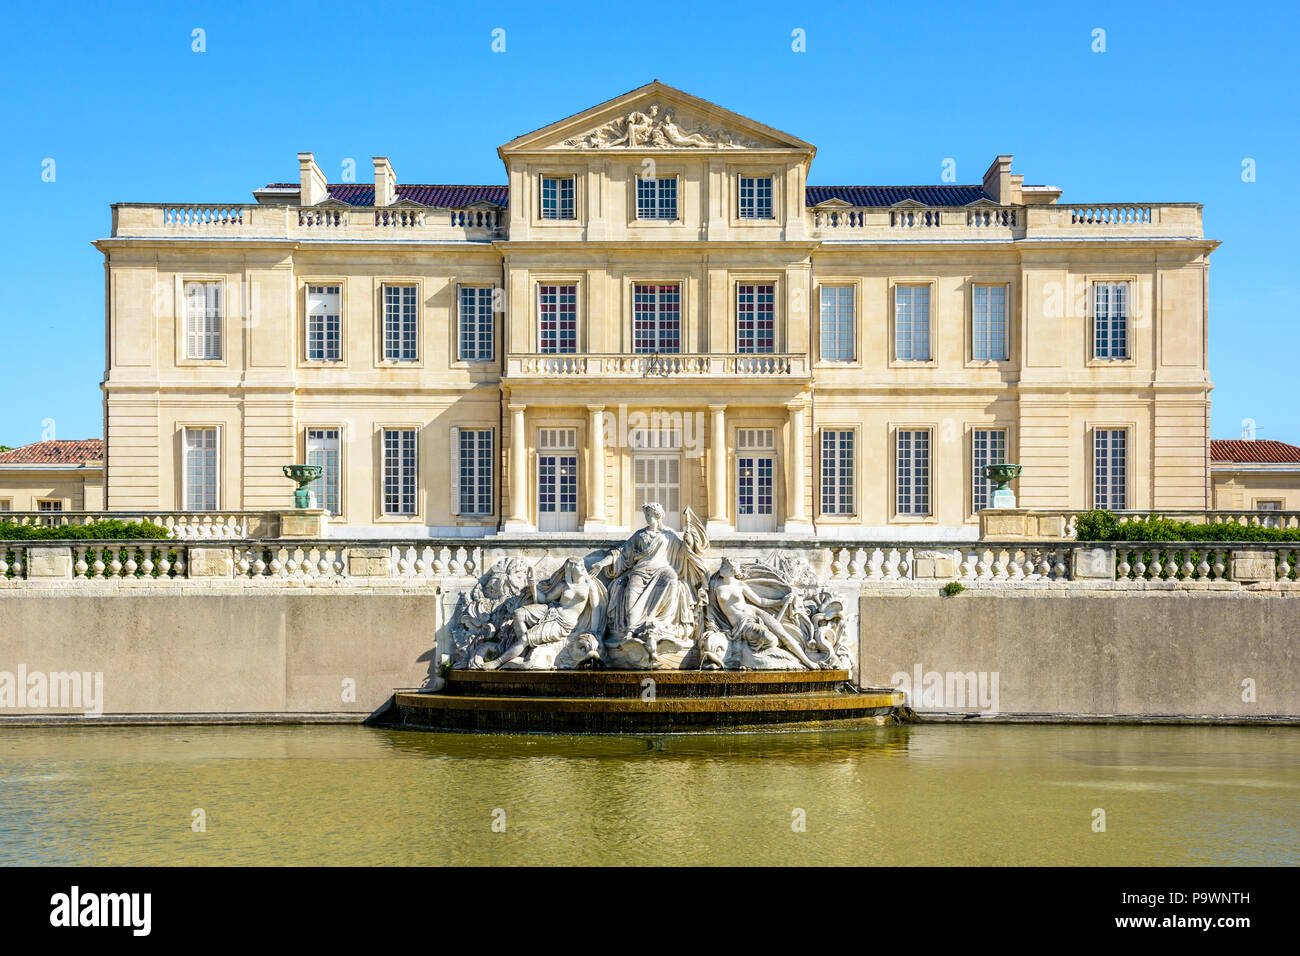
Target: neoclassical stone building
(657, 306)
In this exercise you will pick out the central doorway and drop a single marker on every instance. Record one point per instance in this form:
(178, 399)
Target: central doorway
(657, 471)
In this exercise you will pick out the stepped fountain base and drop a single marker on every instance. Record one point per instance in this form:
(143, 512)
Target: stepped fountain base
(614, 702)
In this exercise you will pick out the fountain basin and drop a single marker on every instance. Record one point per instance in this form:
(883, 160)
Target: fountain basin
(615, 702)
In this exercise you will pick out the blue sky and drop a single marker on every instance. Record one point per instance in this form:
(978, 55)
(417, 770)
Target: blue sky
(114, 94)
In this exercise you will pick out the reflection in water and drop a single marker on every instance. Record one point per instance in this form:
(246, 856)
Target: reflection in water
(998, 794)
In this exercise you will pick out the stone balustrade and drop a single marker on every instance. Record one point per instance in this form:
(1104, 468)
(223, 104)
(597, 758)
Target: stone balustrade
(178, 525)
(344, 562)
(208, 220)
(1109, 215)
(659, 365)
(400, 217)
(1050, 220)
(490, 220)
(201, 218)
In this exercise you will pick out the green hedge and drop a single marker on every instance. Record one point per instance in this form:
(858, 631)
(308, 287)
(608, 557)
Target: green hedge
(107, 529)
(1104, 526)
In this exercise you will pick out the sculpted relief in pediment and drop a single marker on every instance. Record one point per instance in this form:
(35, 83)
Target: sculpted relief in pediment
(656, 128)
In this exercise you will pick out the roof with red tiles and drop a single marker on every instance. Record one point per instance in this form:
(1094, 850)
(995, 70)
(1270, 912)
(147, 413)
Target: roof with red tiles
(1260, 451)
(59, 452)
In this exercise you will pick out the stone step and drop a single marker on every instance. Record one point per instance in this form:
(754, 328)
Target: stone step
(633, 684)
(623, 715)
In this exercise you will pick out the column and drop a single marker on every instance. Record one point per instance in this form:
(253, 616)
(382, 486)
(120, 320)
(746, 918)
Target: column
(596, 520)
(518, 517)
(718, 471)
(796, 515)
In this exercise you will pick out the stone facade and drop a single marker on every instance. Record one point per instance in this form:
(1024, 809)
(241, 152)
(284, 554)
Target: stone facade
(728, 339)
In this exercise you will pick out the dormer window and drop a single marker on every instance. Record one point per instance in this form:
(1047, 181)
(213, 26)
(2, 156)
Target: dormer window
(755, 197)
(656, 198)
(557, 197)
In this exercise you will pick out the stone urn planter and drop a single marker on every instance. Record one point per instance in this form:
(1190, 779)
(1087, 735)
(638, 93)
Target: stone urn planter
(304, 475)
(1002, 473)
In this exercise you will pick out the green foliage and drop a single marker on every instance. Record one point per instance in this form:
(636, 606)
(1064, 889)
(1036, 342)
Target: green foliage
(105, 529)
(1096, 525)
(1104, 526)
(953, 588)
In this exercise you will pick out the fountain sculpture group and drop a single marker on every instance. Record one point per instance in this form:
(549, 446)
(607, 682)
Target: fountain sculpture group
(654, 604)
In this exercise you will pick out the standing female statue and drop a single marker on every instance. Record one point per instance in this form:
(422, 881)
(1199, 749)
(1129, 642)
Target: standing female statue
(656, 573)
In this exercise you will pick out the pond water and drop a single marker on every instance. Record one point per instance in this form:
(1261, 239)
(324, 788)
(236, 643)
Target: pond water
(932, 794)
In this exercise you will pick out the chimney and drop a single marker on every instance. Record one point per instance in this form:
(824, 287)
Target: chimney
(1002, 187)
(385, 182)
(312, 188)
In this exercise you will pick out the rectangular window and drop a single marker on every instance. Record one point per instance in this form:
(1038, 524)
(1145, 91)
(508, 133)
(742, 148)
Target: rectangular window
(988, 447)
(1110, 471)
(49, 506)
(200, 469)
(1269, 521)
(912, 323)
(755, 197)
(837, 323)
(400, 324)
(557, 318)
(6, 504)
(557, 197)
(400, 471)
(203, 321)
(323, 450)
(656, 198)
(324, 323)
(475, 324)
(989, 323)
(1110, 324)
(475, 471)
(657, 318)
(756, 318)
(837, 472)
(913, 457)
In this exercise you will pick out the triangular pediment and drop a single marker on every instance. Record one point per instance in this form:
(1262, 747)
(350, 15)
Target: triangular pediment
(908, 204)
(656, 117)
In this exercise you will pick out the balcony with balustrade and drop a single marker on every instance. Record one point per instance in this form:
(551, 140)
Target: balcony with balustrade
(738, 366)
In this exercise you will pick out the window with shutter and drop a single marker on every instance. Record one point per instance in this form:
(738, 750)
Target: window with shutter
(203, 321)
